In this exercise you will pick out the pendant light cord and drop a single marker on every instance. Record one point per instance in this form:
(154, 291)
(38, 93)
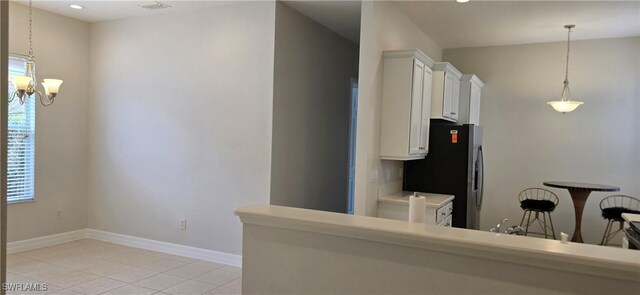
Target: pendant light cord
(30, 34)
(566, 93)
(566, 73)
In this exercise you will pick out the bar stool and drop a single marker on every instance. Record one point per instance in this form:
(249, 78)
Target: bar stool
(538, 200)
(612, 208)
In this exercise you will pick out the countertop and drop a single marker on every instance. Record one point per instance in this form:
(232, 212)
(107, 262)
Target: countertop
(402, 198)
(631, 217)
(570, 257)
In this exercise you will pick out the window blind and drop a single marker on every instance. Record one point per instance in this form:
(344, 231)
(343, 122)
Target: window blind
(21, 140)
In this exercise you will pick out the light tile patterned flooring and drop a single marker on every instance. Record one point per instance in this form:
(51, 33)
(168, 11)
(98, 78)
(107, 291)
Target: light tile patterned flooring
(94, 267)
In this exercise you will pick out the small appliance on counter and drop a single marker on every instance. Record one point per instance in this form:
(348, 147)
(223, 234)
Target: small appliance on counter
(454, 166)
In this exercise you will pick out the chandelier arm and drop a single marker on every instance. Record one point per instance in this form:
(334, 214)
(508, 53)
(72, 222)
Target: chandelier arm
(13, 96)
(43, 98)
(46, 104)
(46, 100)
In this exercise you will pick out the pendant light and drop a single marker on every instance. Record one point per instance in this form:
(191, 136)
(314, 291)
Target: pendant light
(565, 104)
(26, 85)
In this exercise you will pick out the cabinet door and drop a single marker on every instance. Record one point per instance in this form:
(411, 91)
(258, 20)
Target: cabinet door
(426, 110)
(416, 107)
(474, 104)
(448, 94)
(455, 99)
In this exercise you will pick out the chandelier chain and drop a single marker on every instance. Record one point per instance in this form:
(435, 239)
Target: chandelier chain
(30, 34)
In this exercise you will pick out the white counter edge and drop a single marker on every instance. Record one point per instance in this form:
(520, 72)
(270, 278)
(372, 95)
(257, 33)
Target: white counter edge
(571, 257)
(398, 198)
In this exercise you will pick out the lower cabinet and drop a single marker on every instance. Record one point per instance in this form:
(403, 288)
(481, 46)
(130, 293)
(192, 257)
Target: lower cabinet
(438, 210)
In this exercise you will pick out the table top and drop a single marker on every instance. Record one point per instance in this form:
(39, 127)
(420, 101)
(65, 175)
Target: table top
(582, 186)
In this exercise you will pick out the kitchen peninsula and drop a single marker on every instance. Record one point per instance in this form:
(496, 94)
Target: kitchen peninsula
(364, 255)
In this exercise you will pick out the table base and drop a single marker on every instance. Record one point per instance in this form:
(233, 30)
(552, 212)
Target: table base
(579, 198)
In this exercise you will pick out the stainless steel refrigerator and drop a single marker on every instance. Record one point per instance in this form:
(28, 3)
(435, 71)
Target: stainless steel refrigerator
(454, 166)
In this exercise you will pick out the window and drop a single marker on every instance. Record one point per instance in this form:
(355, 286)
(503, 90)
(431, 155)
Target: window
(21, 141)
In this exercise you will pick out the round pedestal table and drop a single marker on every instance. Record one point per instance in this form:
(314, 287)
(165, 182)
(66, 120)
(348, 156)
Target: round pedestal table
(579, 194)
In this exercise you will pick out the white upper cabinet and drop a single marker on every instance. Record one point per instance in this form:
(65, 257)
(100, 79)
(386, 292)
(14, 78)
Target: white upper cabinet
(406, 104)
(445, 92)
(470, 92)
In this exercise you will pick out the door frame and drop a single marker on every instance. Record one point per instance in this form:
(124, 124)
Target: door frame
(4, 81)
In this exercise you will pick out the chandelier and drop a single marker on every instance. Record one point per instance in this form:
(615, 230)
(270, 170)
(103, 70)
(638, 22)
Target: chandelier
(565, 104)
(26, 85)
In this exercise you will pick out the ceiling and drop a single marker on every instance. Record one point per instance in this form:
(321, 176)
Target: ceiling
(490, 23)
(95, 11)
(449, 24)
(342, 17)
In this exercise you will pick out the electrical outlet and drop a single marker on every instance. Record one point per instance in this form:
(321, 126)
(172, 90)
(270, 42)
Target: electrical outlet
(59, 214)
(183, 224)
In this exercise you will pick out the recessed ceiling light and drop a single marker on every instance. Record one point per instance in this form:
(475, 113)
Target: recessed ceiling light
(462, 1)
(76, 6)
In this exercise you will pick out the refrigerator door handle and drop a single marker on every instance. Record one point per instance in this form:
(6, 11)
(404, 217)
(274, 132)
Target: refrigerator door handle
(480, 163)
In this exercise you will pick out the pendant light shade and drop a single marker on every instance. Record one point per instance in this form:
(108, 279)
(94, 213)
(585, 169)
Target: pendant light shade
(565, 104)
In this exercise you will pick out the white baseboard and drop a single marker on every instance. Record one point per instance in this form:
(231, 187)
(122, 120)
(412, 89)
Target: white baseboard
(45, 241)
(169, 248)
(165, 247)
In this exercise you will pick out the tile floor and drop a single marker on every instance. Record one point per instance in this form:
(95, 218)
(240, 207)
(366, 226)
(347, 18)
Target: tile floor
(94, 267)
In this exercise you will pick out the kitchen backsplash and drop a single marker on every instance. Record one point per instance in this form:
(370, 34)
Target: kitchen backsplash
(390, 179)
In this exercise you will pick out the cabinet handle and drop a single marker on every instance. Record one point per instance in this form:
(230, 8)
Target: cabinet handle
(444, 213)
(453, 113)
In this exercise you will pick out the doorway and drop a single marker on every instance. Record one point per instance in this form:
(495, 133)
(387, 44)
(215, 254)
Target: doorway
(353, 119)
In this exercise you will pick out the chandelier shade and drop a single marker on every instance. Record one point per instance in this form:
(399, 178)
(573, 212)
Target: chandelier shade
(21, 82)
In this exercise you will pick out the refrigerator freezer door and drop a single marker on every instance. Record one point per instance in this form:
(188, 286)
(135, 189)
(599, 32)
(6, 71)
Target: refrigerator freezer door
(445, 170)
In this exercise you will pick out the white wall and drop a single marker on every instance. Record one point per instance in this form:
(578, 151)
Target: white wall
(61, 48)
(383, 27)
(311, 107)
(526, 142)
(181, 123)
